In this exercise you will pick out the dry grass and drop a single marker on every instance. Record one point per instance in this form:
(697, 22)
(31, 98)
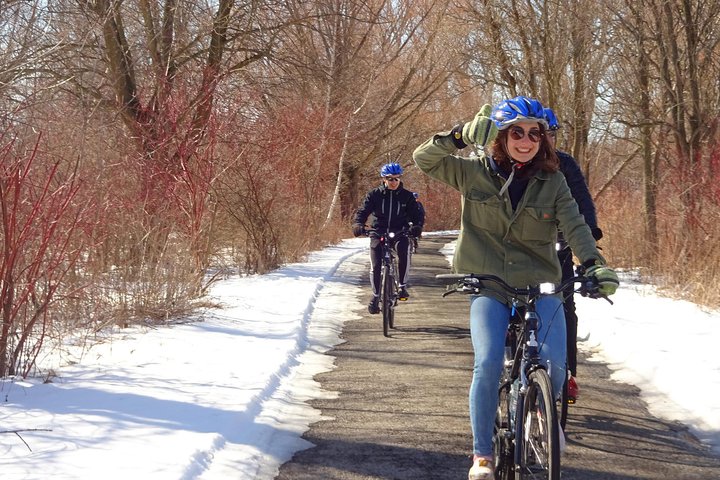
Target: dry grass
(687, 262)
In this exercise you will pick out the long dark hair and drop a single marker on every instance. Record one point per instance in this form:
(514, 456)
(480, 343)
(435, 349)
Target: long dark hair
(545, 159)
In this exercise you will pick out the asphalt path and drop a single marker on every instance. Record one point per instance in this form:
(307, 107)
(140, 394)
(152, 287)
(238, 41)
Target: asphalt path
(401, 409)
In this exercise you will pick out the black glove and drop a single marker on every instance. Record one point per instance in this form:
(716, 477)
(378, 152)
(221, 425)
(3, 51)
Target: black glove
(416, 231)
(596, 233)
(358, 230)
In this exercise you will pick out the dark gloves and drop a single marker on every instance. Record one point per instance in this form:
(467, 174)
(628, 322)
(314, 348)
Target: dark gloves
(596, 233)
(607, 279)
(358, 230)
(416, 231)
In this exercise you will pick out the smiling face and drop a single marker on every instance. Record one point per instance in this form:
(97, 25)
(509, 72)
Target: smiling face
(523, 141)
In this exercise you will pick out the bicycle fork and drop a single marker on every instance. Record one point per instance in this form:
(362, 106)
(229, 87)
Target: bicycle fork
(531, 356)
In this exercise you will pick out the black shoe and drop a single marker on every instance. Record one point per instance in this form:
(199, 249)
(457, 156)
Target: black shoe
(403, 295)
(374, 305)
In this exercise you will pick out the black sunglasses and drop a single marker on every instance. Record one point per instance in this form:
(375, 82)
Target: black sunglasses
(392, 179)
(517, 133)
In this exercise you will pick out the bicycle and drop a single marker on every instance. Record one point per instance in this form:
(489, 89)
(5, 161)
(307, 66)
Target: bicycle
(389, 284)
(528, 448)
(413, 245)
(565, 400)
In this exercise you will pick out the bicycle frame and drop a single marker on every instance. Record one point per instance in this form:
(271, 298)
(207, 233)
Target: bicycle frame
(524, 360)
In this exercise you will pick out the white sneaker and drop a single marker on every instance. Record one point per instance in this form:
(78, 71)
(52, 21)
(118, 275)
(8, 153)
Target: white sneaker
(481, 468)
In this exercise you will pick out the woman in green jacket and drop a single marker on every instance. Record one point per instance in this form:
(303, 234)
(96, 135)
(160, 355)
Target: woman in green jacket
(513, 201)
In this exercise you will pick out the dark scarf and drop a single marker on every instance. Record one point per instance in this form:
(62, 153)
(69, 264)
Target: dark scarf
(516, 180)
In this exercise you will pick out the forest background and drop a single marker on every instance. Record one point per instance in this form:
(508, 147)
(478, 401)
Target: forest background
(150, 146)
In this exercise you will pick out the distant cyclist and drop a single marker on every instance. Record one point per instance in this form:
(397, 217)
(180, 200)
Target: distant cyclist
(393, 208)
(580, 192)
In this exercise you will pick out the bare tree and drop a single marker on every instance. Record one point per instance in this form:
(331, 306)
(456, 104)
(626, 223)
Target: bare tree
(554, 51)
(370, 66)
(160, 66)
(684, 32)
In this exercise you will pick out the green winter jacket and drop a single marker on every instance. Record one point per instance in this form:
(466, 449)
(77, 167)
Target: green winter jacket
(518, 246)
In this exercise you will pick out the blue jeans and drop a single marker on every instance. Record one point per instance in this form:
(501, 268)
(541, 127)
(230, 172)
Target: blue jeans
(488, 324)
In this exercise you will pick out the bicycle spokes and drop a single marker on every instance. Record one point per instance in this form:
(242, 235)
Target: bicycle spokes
(539, 450)
(536, 438)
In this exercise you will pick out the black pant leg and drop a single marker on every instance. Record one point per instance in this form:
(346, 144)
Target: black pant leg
(403, 251)
(375, 265)
(571, 320)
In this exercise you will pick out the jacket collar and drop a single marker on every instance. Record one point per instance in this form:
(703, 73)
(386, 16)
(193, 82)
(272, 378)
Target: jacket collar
(540, 175)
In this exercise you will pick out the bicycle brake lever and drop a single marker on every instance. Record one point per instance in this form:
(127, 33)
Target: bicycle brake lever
(449, 292)
(596, 295)
(606, 298)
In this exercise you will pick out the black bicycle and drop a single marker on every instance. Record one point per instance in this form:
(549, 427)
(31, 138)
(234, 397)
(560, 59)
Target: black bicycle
(389, 283)
(526, 441)
(565, 400)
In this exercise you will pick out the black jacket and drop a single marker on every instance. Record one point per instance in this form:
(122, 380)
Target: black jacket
(392, 209)
(579, 190)
(421, 214)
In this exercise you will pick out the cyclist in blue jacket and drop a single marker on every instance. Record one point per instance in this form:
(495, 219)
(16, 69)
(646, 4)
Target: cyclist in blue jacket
(580, 192)
(393, 209)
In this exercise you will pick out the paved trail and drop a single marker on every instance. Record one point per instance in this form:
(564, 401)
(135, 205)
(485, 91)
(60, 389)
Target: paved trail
(401, 408)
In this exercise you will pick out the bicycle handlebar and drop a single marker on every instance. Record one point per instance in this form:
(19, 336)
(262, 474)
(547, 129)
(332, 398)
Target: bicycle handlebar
(470, 283)
(373, 232)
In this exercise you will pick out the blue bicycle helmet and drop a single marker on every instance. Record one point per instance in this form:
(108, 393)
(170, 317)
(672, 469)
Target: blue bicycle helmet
(391, 169)
(518, 109)
(551, 119)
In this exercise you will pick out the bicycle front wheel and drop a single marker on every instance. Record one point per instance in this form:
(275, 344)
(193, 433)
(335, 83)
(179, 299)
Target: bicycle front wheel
(539, 442)
(395, 287)
(387, 300)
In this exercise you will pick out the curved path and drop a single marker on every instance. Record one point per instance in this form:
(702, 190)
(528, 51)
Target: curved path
(401, 406)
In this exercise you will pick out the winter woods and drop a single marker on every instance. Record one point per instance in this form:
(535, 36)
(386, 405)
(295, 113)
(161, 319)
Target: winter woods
(147, 146)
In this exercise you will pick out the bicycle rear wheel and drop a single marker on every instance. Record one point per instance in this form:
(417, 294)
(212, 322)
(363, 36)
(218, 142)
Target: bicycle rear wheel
(504, 431)
(564, 404)
(502, 438)
(539, 442)
(388, 309)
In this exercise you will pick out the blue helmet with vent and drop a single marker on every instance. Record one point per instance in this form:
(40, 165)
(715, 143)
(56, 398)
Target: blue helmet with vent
(551, 119)
(518, 109)
(391, 169)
